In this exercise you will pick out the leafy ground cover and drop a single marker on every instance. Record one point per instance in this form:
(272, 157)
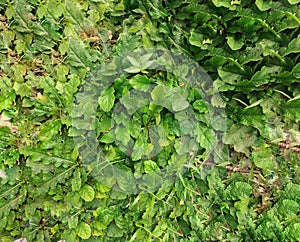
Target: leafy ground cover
(76, 168)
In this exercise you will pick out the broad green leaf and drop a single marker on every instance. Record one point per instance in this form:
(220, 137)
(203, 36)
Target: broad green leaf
(293, 46)
(201, 106)
(263, 76)
(288, 207)
(241, 137)
(178, 102)
(217, 101)
(134, 100)
(141, 147)
(140, 82)
(294, 1)
(76, 180)
(158, 136)
(242, 204)
(107, 99)
(264, 159)
(38, 167)
(135, 127)
(19, 72)
(84, 230)
(140, 235)
(291, 109)
(196, 39)
(133, 69)
(235, 44)
(263, 5)
(229, 77)
(150, 166)
(73, 222)
(108, 137)
(145, 58)
(50, 129)
(296, 70)
(158, 94)
(7, 99)
(239, 190)
(61, 73)
(87, 193)
(252, 116)
(222, 3)
(122, 134)
(134, 61)
(291, 191)
(152, 181)
(126, 181)
(114, 232)
(79, 55)
(293, 232)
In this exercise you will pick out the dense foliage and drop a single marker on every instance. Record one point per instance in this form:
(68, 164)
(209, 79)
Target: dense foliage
(242, 181)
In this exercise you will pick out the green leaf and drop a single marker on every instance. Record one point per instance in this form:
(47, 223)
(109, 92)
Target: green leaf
(6, 100)
(38, 167)
(150, 166)
(264, 159)
(61, 72)
(296, 71)
(263, 5)
(87, 193)
(252, 116)
(222, 3)
(263, 76)
(108, 137)
(241, 137)
(122, 134)
(140, 82)
(178, 102)
(107, 99)
(288, 208)
(201, 106)
(79, 55)
(76, 180)
(84, 230)
(73, 222)
(134, 100)
(293, 1)
(114, 231)
(293, 46)
(293, 232)
(291, 109)
(50, 129)
(239, 190)
(158, 94)
(196, 39)
(140, 235)
(141, 147)
(229, 77)
(133, 69)
(133, 61)
(235, 44)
